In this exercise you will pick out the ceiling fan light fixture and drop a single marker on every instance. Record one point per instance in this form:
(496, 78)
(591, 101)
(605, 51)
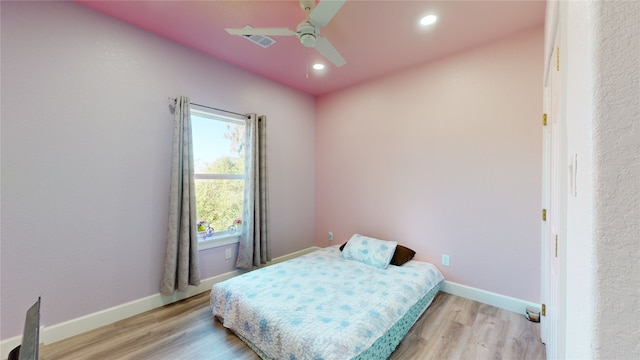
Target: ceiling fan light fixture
(308, 40)
(428, 20)
(318, 66)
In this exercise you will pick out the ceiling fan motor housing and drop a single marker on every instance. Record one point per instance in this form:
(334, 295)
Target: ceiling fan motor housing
(307, 33)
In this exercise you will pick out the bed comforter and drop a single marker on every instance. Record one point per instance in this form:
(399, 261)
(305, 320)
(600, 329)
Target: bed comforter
(320, 306)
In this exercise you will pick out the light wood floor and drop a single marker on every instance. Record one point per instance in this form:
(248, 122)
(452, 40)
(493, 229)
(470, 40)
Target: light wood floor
(452, 328)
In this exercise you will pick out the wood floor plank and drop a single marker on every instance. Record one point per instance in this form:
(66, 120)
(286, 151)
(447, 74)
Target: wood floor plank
(488, 335)
(451, 328)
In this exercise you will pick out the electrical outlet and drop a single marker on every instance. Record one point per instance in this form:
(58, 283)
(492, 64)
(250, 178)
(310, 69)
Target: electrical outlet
(445, 260)
(330, 236)
(227, 254)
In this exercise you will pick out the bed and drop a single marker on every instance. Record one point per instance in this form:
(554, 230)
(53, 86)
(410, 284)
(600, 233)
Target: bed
(325, 306)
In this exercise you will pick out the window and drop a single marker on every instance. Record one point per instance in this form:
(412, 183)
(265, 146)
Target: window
(218, 157)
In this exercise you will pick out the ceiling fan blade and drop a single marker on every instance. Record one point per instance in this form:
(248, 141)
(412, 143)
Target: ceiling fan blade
(327, 50)
(325, 10)
(262, 31)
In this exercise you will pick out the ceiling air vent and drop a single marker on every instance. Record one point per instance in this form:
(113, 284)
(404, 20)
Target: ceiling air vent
(261, 40)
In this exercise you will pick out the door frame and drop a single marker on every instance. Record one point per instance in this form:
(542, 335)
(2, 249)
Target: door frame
(554, 189)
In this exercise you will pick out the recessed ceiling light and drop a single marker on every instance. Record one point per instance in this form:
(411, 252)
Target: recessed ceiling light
(428, 20)
(318, 66)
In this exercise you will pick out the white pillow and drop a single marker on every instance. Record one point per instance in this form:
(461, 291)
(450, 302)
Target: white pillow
(369, 251)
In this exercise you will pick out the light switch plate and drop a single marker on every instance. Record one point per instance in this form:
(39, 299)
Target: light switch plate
(573, 175)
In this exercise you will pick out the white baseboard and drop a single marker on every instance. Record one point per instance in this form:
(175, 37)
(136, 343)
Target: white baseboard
(293, 255)
(64, 330)
(487, 297)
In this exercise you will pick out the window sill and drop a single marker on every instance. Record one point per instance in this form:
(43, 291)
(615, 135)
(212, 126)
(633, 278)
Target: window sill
(218, 240)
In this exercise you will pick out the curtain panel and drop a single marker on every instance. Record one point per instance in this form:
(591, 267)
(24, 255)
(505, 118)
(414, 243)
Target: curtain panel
(181, 261)
(254, 248)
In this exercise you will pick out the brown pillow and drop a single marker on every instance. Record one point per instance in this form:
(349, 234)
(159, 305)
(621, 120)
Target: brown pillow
(401, 256)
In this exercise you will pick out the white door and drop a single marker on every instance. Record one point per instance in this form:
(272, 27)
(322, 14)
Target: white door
(553, 181)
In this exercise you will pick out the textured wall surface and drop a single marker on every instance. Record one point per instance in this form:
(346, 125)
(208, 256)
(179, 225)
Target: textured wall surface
(86, 144)
(616, 137)
(444, 158)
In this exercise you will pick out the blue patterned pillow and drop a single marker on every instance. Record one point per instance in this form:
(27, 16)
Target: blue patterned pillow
(370, 251)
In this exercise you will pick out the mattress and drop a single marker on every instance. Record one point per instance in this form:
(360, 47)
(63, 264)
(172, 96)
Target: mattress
(321, 306)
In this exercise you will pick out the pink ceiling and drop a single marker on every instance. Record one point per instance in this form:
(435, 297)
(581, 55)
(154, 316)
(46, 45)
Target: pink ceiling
(375, 37)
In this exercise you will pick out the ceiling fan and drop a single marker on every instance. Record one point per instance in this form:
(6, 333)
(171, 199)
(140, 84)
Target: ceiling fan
(308, 31)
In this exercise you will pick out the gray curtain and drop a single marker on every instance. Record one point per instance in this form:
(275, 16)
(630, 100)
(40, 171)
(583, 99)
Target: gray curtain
(181, 262)
(254, 248)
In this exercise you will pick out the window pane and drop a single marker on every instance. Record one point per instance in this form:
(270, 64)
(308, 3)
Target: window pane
(219, 201)
(218, 146)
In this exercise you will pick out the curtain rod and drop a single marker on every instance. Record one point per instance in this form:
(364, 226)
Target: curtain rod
(212, 108)
(226, 111)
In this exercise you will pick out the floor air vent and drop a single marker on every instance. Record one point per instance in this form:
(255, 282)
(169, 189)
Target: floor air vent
(261, 40)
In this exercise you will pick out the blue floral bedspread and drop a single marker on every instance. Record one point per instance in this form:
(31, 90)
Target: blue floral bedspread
(320, 306)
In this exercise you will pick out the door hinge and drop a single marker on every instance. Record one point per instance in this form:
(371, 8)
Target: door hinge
(544, 214)
(556, 245)
(558, 58)
(544, 119)
(544, 310)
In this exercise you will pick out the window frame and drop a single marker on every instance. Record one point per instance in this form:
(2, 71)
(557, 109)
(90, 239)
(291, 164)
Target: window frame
(222, 238)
